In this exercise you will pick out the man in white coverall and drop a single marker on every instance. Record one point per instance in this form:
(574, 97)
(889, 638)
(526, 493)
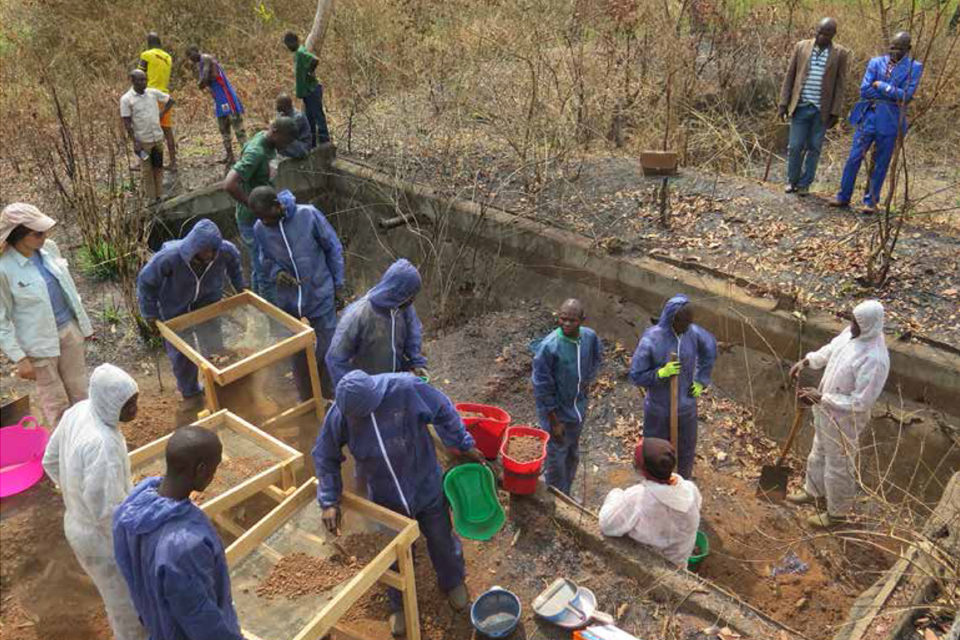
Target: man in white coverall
(857, 364)
(87, 457)
(662, 511)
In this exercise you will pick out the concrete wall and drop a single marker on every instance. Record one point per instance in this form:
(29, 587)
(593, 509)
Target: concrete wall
(920, 372)
(308, 178)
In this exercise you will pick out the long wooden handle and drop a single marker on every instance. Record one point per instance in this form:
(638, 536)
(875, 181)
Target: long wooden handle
(797, 421)
(674, 408)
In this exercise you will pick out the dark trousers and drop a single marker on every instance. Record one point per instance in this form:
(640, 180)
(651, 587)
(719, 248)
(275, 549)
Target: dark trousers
(313, 109)
(443, 547)
(301, 374)
(806, 140)
(659, 427)
(563, 458)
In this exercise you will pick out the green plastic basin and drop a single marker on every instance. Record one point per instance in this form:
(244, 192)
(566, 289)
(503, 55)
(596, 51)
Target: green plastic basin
(703, 547)
(472, 493)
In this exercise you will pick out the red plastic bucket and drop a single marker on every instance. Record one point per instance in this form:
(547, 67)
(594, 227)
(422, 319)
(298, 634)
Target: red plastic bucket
(522, 477)
(488, 430)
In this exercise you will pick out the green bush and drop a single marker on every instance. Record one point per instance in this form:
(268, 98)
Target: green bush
(99, 260)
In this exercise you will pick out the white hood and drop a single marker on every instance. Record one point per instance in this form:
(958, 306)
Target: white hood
(679, 496)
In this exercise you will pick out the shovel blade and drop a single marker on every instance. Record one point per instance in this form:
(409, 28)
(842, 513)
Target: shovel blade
(773, 482)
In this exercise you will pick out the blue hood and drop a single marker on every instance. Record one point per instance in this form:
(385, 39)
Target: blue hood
(670, 309)
(399, 283)
(145, 510)
(358, 394)
(288, 202)
(204, 235)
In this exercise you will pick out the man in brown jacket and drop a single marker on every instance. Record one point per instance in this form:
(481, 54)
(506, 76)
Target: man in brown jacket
(812, 95)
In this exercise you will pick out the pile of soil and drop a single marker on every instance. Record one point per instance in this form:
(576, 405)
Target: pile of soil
(230, 472)
(525, 448)
(300, 574)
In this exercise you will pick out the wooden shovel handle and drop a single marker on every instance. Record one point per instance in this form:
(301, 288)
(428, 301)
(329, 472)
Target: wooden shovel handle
(794, 428)
(674, 408)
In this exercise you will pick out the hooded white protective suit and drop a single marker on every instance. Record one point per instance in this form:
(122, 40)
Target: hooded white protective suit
(663, 516)
(87, 457)
(856, 370)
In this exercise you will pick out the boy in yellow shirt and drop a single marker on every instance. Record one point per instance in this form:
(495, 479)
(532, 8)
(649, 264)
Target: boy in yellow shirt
(157, 64)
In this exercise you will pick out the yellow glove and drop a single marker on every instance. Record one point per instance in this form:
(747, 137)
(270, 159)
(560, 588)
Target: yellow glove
(669, 369)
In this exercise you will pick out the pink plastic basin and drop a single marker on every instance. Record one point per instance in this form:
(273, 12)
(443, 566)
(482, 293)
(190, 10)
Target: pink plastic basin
(21, 455)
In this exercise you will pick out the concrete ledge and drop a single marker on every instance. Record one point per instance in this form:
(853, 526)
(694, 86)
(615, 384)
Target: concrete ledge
(683, 589)
(307, 177)
(920, 372)
(915, 571)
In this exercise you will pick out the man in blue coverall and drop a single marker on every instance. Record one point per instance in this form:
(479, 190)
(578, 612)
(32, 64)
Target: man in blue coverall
(564, 366)
(880, 117)
(383, 420)
(694, 351)
(168, 551)
(380, 332)
(301, 253)
(183, 276)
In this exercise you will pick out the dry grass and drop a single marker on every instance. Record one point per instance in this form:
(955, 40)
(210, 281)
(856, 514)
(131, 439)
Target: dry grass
(447, 90)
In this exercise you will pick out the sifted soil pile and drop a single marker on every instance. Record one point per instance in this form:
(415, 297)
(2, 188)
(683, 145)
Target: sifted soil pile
(299, 574)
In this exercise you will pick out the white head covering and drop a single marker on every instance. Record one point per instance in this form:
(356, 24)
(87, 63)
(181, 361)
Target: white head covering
(869, 315)
(110, 388)
(19, 213)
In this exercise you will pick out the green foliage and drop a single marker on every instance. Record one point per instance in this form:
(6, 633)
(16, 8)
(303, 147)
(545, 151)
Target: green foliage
(100, 261)
(112, 313)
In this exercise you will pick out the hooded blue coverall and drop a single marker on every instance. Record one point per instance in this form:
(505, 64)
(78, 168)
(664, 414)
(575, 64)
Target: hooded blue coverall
(563, 370)
(380, 332)
(383, 420)
(878, 119)
(173, 561)
(167, 287)
(697, 351)
(304, 245)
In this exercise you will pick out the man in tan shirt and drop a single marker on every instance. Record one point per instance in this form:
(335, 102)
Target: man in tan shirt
(812, 95)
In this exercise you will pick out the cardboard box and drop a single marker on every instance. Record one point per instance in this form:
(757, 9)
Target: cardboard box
(603, 632)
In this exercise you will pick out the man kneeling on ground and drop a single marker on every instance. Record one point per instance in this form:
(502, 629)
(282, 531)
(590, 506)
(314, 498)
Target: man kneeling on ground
(662, 511)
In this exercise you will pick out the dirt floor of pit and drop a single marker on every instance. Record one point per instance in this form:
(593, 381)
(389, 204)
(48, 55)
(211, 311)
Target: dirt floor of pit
(488, 360)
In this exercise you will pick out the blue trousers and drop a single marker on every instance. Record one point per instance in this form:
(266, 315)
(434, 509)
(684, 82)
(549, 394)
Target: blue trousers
(184, 371)
(313, 109)
(443, 547)
(301, 375)
(866, 136)
(562, 457)
(260, 284)
(806, 139)
(657, 426)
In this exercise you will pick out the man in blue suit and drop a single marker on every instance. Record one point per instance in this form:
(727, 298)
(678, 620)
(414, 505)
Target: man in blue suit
(880, 118)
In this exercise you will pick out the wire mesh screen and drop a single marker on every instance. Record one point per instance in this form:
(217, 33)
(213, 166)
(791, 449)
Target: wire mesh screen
(243, 458)
(282, 584)
(268, 390)
(234, 334)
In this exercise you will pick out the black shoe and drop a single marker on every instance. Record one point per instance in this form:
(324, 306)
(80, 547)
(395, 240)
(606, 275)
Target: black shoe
(790, 189)
(803, 191)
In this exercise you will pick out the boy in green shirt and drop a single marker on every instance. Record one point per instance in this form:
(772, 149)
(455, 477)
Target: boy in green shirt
(252, 170)
(308, 88)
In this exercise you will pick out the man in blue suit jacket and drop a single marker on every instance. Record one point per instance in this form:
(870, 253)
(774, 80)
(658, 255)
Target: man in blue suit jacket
(887, 86)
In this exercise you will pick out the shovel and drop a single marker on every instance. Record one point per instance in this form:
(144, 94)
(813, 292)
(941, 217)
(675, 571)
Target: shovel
(674, 407)
(773, 478)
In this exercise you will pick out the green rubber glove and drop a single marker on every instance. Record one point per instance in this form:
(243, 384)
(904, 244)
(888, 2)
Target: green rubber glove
(669, 369)
(696, 389)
